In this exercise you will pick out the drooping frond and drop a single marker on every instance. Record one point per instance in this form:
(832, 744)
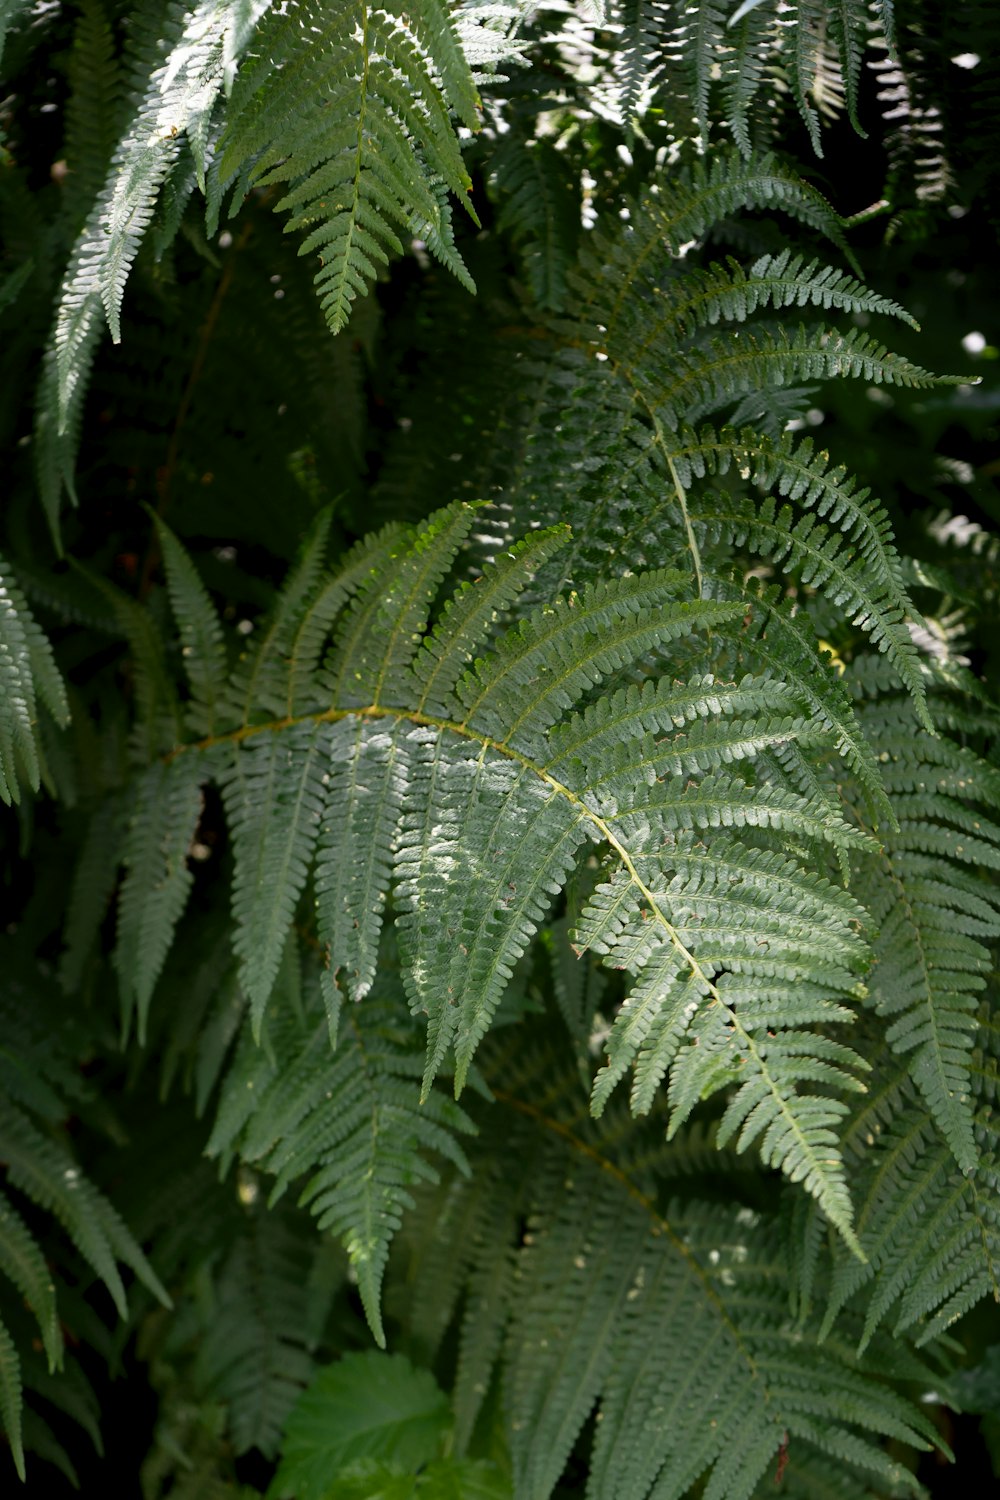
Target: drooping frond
(931, 1233)
(41, 1184)
(28, 678)
(477, 812)
(589, 1284)
(181, 77)
(542, 211)
(713, 60)
(273, 794)
(254, 1316)
(157, 880)
(935, 916)
(347, 1128)
(347, 110)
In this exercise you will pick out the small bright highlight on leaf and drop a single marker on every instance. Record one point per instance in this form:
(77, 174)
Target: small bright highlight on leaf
(967, 60)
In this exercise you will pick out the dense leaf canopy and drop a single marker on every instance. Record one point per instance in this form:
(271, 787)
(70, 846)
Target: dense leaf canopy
(499, 748)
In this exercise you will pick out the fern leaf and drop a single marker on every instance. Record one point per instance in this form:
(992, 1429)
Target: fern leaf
(364, 561)
(541, 211)
(274, 795)
(468, 616)
(731, 293)
(540, 669)
(253, 1355)
(720, 370)
(50, 1177)
(27, 672)
(11, 1399)
(710, 1033)
(22, 1262)
(92, 889)
(355, 186)
(365, 787)
(157, 882)
(158, 725)
(659, 709)
(92, 108)
(931, 961)
(931, 1234)
(477, 873)
(383, 629)
(743, 64)
(774, 637)
(825, 561)
(200, 632)
(616, 269)
(603, 1280)
(848, 21)
(358, 1158)
(174, 102)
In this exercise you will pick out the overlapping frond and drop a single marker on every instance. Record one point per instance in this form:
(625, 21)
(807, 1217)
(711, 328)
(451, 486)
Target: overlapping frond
(256, 1323)
(180, 76)
(931, 1232)
(347, 110)
(936, 913)
(347, 1128)
(715, 58)
(42, 1181)
(541, 209)
(477, 814)
(581, 1286)
(29, 679)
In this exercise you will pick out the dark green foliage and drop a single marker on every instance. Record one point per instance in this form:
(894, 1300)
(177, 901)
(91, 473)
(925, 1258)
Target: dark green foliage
(500, 822)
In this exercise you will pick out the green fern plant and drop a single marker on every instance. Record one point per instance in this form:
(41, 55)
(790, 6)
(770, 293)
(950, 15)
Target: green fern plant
(500, 823)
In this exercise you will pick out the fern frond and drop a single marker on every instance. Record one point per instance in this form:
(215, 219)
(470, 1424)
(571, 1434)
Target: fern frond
(931, 958)
(541, 210)
(28, 673)
(48, 1175)
(469, 616)
(385, 79)
(93, 107)
(676, 210)
(11, 1399)
(366, 783)
(347, 1127)
(717, 370)
(543, 666)
(167, 806)
(691, 51)
(92, 888)
(273, 790)
(200, 632)
(601, 1281)
(477, 814)
(158, 717)
(931, 1234)
(260, 680)
(174, 102)
(254, 1354)
(22, 1262)
(384, 626)
(479, 859)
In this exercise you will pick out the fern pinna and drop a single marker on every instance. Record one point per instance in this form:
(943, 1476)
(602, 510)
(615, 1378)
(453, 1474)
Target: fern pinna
(501, 823)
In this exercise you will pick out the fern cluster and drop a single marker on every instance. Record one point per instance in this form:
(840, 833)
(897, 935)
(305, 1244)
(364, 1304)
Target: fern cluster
(500, 825)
